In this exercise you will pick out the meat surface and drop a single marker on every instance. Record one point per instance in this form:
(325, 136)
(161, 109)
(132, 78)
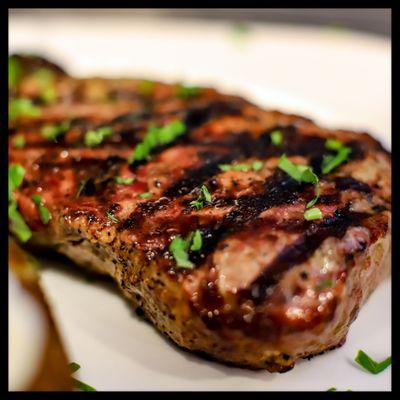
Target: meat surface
(267, 285)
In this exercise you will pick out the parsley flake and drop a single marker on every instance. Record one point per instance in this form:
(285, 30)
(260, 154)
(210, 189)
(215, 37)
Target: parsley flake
(315, 199)
(14, 72)
(95, 137)
(22, 107)
(241, 28)
(333, 144)
(79, 384)
(197, 241)
(45, 80)
(157, 136)
(145, 195)
(52, 131)
(81, 187)
(276, 137)
(205, 197)
(365, 361)
(255, 166)
(16, 174)
(44, 213)
(18, 226)
(112, 217)
(179, 248)
(333, 389)
(330, 162)
(145, 87)
(301, 173)
(124, 181)
(236, 167)
(18, 141)
(312, 214)
(187, 91)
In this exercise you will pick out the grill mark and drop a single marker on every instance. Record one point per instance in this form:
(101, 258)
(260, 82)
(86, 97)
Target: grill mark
(196, 176)
(244, 146)
(194, 118)
(128, 128)
(130, 118)
(348, 182)
(97, 173)
(279, 189)
(197, 116)
(241, 146)
(301, 250)
(329, 199)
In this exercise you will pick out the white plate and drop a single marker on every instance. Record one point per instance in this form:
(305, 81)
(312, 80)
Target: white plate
(340, 78)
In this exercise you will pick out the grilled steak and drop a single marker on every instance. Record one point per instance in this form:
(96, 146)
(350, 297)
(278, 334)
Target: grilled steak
(181, 195)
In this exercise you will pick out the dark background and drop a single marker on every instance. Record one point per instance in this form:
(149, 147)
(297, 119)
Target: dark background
(373, 20)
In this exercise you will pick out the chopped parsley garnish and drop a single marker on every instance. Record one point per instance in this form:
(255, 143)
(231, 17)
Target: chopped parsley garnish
(79, 384)
(241, 28)
(197, 241)
(112, 217)
(179, 248)
(325, 284)
(145, 87)
(145, 195)
(18, 141)
(45, 80)
(16, 174)
(312, 213)
(330, 162)
(124, 181)
(95, 137)
(302, 173)
(81, 187)
(315, 199)
(44, 213)
(276, 137)
(22, 107)
(74, 367)
(52, 131)
(187, 91)
(157, 136)
(333, 144)
(14, 72)
(18, 226)
(205, 197)
(365, 361)
(255, 166)
(333, 389)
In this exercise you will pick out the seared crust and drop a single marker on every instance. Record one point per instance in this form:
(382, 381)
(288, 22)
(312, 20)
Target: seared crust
(268, 287)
